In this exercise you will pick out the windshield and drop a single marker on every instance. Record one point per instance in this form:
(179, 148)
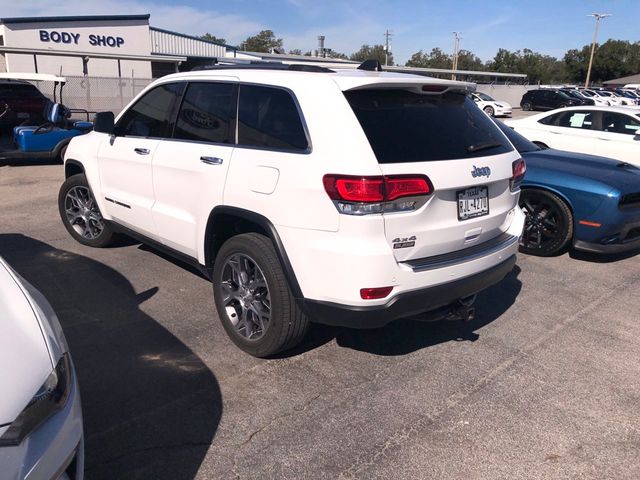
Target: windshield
(485, 97)
(403, 126)
(522, 144)
(587, 93)
(573, 93)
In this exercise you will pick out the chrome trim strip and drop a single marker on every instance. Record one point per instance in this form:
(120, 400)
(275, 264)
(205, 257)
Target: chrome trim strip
(465, 255)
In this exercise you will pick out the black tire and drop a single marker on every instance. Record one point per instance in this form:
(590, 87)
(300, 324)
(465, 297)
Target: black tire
(548, 225)
(287, 324)
(63, 150)
(527, 107)
(489, 111)
(563, 105)
(88, 227)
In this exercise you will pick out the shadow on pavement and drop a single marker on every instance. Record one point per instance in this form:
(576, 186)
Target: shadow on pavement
(406, 336)
(151, 406)
(602, 257)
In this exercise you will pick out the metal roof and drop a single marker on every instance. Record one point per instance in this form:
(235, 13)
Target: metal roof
(75, 18)
(191, 37)
(624, 80)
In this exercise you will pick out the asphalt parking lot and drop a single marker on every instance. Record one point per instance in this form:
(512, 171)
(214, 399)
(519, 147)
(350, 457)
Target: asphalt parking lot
(543, 384)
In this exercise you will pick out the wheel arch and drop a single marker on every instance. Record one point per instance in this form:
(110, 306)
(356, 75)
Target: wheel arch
(225, 222)
(72, 167)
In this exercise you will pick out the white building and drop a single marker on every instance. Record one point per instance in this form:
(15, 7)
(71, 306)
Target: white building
(99, 46)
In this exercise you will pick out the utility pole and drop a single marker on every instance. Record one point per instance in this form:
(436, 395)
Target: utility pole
(387, 36)
(456, 49)
(598, 17)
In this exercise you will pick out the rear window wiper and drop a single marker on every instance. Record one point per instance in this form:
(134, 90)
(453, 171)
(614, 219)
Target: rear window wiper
(482, 146)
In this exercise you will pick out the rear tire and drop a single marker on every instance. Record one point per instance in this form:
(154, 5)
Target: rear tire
(80, 213)
(526, 106)
(253, 299)
(548, 226)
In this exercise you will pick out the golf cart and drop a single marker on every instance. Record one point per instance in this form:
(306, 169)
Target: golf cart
(45, 140)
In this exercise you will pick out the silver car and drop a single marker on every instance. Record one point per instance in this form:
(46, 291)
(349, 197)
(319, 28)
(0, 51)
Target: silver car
(41, 435)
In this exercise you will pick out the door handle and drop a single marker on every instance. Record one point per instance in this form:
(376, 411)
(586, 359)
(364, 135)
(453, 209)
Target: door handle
(142, 151)
(211, 160)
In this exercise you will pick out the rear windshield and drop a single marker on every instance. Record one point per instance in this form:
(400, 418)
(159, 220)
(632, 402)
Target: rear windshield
(403, 126)
(19, 90)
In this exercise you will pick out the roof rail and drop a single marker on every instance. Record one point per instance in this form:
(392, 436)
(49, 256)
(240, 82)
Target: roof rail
(226, 64)
(371, 66)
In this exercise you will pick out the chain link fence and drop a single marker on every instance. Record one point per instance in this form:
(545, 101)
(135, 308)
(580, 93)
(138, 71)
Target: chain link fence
(96, 94)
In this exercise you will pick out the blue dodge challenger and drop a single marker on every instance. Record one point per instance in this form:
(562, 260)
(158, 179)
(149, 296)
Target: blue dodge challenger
(590, 202)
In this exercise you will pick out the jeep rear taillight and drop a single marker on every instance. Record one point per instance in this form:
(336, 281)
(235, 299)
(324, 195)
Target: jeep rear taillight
(376, 194)
(519, 167)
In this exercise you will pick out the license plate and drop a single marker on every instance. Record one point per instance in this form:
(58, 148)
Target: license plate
(473, 202)
(22, 115)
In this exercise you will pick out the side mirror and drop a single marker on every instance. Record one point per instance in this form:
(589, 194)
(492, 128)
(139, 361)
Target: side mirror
(104, 122)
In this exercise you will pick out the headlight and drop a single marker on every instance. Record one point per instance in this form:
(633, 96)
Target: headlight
(50, 398)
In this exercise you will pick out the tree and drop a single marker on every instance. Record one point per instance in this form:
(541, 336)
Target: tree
(367, 52)
(538, 67)
(265, 41)
(295, 51)
(436, 59)
(469, 61)
(212, 38)
(612, 59)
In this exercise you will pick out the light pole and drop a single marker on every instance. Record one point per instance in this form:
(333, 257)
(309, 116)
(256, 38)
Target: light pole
(456, 48)
(598, 17)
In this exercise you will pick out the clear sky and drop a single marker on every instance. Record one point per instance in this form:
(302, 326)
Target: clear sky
(549, 27)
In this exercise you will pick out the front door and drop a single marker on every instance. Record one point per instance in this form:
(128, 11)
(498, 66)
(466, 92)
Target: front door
(125, 158)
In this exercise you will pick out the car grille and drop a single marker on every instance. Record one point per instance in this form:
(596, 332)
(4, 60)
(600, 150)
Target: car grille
(630, 200)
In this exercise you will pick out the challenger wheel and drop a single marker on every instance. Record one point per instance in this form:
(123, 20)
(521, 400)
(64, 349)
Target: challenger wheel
(548, 226)
(253, 299)
(80, 213)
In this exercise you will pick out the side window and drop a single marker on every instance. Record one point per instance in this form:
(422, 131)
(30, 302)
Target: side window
(582, 120)
(551, 119)
(619, 123)
(151, 115)
(268, 118)
(208, 113)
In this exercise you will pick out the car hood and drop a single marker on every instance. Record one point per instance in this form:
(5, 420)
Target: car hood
(25, 361)
(620, 175)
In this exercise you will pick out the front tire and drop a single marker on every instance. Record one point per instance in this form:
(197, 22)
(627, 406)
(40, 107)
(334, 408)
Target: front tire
(253, 299)
(80, 213)
(548, 225)
(490, 111)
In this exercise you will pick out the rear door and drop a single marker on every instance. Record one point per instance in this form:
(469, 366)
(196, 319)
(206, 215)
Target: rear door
(466, 158)
(572, 130)
(618, 136)
(189, 169)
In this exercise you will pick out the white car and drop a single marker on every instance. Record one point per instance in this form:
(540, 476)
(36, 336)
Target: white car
(615, 99)
(599, 101)
(491, 107)
(604, 131)
(41, 435)
(348, 197)
(573, 92)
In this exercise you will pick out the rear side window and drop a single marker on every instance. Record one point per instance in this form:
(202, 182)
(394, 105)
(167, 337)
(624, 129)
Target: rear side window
(208, 113)
(403, 126)
(268, 118)
(619, 123)
(151, 115)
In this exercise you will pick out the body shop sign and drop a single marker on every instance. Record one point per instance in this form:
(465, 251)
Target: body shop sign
(55, 36)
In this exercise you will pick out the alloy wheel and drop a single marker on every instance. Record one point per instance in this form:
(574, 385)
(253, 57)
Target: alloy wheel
(246, 297)
(543, 224)
(82, 213)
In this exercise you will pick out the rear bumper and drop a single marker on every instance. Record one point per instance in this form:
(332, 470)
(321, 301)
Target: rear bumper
(406, 304)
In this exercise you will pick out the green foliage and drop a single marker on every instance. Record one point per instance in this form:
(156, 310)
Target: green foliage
(213, 38)
(538, 67)
(436, 59)
(375, 52)
(262, 42)
(613, 59)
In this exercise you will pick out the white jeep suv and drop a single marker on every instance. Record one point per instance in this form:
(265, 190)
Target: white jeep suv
(349, 197)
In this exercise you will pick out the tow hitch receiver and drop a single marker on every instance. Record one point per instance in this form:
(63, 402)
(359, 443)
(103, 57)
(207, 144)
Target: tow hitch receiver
(463, 310)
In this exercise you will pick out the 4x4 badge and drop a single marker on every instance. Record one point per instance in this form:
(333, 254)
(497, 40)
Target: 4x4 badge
(404, 242)
(480, 172)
